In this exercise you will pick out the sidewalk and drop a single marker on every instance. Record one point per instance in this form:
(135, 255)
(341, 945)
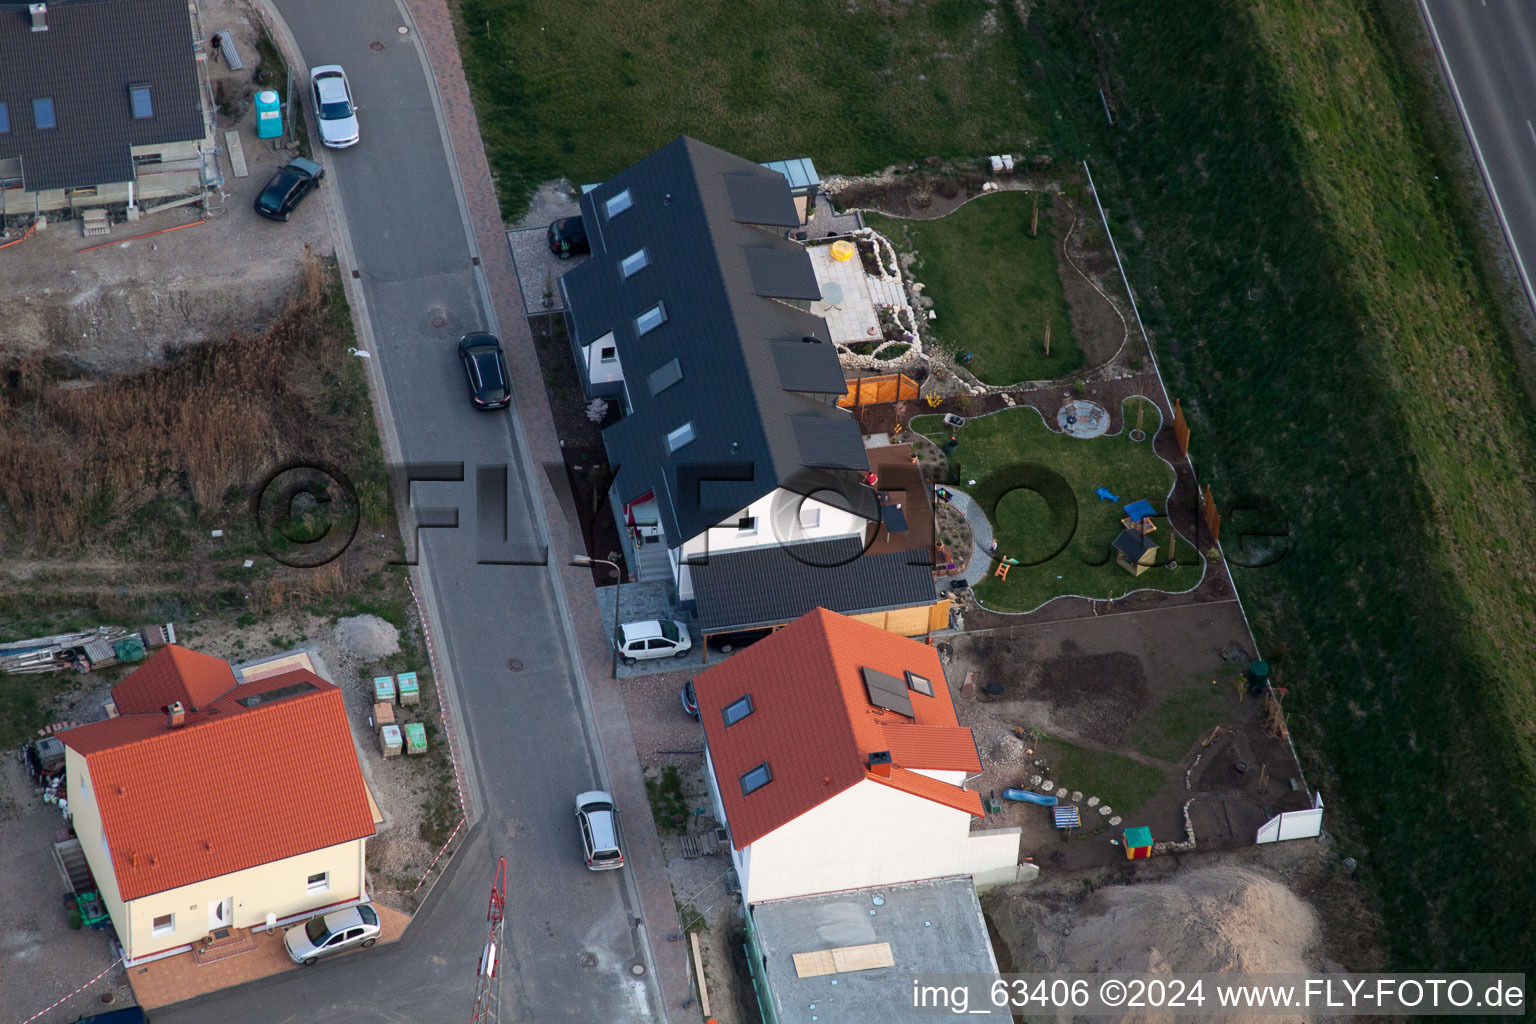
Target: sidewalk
(646, 865)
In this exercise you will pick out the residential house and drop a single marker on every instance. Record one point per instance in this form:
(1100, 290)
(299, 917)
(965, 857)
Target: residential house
(100, 103)
(209, 802)
(851, 956)
(737, 476)
(835, 761)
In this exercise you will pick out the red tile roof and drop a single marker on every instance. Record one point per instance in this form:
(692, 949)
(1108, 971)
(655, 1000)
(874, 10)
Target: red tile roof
(233, 787)
(173, 673)
(813, 722)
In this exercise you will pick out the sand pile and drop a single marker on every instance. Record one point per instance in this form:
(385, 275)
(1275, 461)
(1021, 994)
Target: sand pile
(1216, 919)
(367, 637)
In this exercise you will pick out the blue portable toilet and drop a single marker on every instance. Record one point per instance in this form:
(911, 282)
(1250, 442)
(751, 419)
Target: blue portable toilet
(269, 115)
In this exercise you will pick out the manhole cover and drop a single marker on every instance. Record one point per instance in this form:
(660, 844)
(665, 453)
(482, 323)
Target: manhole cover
(515, 664)
(588, 960)
(439, 321)
(637, 969)
(375, 45)
(108, 998)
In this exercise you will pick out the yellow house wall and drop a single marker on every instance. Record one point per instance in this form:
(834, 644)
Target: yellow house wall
(87, 822)
(277, 888)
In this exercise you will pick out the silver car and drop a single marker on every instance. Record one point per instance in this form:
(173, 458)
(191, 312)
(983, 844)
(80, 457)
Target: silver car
(599, 823)
(353, 928)
(333, 106)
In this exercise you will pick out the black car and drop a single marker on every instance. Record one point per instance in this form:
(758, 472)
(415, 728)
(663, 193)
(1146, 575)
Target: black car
(288, 188)
(486, 368)
(568, 237)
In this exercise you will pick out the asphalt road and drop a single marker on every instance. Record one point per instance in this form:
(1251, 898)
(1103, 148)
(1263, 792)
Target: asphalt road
(570, 932)
(1487, 49)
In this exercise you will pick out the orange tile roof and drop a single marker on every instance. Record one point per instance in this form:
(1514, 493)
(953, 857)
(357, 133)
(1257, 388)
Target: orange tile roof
(931, 789)
(813, 723)
(173, 673)
(232, 788)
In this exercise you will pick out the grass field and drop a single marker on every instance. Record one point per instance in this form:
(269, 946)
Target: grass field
(1300, 234)
(583, 88)
(1038, 488)
(995, 288)
(1122, 783)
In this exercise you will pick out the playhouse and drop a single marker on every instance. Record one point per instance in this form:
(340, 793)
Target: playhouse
(1135, 551)
(1138, 843)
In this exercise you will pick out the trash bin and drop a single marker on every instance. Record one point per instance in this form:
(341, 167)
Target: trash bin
(269, 115)
(1258, 678)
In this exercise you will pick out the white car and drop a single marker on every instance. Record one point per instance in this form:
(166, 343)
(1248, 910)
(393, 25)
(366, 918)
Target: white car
(599, 823)
(333, 106)
(355, 927)
(655, 638)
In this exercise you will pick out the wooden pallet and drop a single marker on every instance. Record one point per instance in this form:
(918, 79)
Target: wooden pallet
(95, 222)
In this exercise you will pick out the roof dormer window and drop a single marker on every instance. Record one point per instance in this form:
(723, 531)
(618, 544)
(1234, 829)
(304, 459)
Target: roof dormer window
(142, 101)
(737, 709)
(618, 204)
(42, 112)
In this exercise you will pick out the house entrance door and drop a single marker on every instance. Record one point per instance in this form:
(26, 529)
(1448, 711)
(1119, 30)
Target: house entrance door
(221, 914)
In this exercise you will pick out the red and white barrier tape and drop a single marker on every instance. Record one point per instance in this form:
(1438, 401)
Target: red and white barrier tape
(72, 995)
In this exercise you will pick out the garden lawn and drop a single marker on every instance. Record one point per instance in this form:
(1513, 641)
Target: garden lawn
(1120, 782)
(993, 287)
(1062, 536)
(583, 88)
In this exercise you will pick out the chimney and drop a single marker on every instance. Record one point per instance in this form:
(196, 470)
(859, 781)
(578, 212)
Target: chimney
(175, 715)
(880, 763)
(39, 17)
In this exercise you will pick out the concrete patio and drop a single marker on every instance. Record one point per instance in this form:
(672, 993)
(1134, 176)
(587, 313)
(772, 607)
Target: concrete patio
(854, 319)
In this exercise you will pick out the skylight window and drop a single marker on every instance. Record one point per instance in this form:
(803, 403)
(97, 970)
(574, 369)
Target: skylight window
(634, 262)
(756, 779)
(42, 112)
(679, 437)
(651, 319)
(619, 203)
(921, 684)
(736, 710)
(143, 103)
(5, 119)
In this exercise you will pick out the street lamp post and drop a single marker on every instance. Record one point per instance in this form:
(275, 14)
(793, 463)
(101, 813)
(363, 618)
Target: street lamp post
(586, 562)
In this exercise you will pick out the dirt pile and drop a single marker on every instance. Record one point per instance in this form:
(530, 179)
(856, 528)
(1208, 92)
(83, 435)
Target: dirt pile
(367, 637)
(1209, 919)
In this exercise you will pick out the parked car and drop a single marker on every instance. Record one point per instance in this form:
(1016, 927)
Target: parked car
(599, 822)
(726, 643)
(568, 237)
(485, 367)
(655, 638)
(288, 188)
(353, 928)
(690, 701)
(333, 106)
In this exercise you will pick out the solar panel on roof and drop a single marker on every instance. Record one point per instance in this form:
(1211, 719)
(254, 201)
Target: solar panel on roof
(888, 692)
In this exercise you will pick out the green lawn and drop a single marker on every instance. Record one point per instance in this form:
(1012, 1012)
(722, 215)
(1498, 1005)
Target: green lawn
(993, 287)
(1291, 205)
(1170, 730)
(1119, 781)
(583, 88)
(1038, 488)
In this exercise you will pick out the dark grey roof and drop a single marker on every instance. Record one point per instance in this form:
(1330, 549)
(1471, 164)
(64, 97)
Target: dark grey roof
(744, 403)
(776, 584)
(782, 272)
(1133, 544)
(757, 199)
(827, 444)
(92, 51)
(809, 367)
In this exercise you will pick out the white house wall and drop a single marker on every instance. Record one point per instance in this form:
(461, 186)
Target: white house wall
(599, 371)
(779, 521)
(869, 834)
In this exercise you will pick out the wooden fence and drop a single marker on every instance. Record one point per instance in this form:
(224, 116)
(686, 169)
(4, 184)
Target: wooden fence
(1212, 517)
(1180, 427)
(888, 387)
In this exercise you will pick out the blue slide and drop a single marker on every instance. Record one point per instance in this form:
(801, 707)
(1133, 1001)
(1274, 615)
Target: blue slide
(1030, 798)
